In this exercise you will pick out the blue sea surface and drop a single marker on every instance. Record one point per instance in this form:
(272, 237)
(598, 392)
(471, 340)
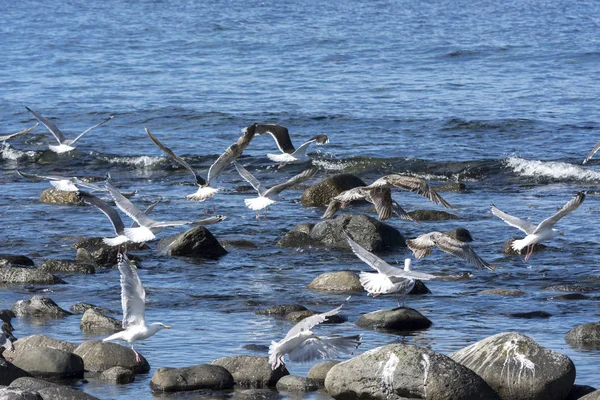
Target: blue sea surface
(501, 96)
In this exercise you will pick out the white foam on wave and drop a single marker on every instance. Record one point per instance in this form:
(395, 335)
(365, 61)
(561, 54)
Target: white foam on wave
(9, 153)
(552, 169)
(140, 161)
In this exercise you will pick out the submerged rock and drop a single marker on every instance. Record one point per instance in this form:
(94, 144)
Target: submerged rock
(55, 196)
(196, 242)
(20, 276)
(570, 288)
(99, 356)
(67, 267)
(98, 323)
(319, 371)
(530, 314)
(251, 371)
(46, 362)
(281, 311)
(456, 187)
(49, 390)
(118, 375)
(293, 383)
(38, 306)
(7, 260)
(341, 281)
(321, 193)
(204, 376)
(399, 319)
(432, 215)
(585, 336)
(503, 292)
(295, 239)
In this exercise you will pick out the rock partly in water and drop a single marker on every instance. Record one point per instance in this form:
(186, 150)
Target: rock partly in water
(530, 314)
(195, 242)
(67, 267)
(399, 319)
(503, 292)
(50, 391)
(570, 296)
(509, 250)
(46, 362)
(28, 343)
(297, 316)
(296, 239)
(99, 356)
(238, 243)
(419, 288)
(55, 196)
(519, 368)
(8, 260)
(461, 234)
(570, 288)
(94, 250)
(10, 372)
(98, 323)
(204, 376)
(80, 308)
(319, 371)
(281, 311)
(341, 281)
(432, 215)
(118, 375)
(585, 336)
(251, 371)
(321, 193)
(7, 393)
(21, 276)
(38, 306)
(405, 371)
(456, 187)
(293, 383)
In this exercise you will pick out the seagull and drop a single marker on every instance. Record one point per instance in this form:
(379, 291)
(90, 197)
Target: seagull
(6, 337)
(388, 279)
(14, 135)
(594, 150)
(205, 191)
(266, 197)
(148, 227)
(64, 145)
(538, 233)
(133, 301)
(289, 154)
(302, 345)
(421, 247)
(64, 183)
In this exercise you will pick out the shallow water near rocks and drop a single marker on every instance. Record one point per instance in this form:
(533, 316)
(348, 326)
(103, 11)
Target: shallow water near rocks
(500, 96)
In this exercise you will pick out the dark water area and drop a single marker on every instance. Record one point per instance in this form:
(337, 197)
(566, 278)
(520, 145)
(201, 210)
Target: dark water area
(502, 96)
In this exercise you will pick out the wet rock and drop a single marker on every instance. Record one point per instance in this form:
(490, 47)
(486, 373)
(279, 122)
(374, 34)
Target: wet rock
(98, 323)
(570, 296)
(251, 371)
(55, 196)
(118, 375)
(256, 394)
(260, 348)
(461, 234)
(595, 395)
(67, 267)
(204, 376)
(419, 288)
(80, 308)
(341, 281)
(432, 215)
(570, 288)
(579, 391)
(7, 393)
(509, 250)
(46, 362)
(456, 187)
(503, 292)
(321, 193)
(293, 383)
(295, 239)
(10, 372)
(38, 306)
(50, 391)
(281, 311)
(518, 368)
(196, 242)
(585, 336)
(21, 276)
(304, 228)
(28, 343)
(297, 316)
(99, 356)
(7, 260)
(85, 257)
(319, 371)
(239, 243)
(397, 319)
(366, 231)
(530, 314)
(94, 250)
(405, 371)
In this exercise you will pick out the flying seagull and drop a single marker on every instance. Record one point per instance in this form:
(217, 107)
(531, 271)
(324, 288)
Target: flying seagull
(289, 154)
(148, 227)
(538, 233)
(133, 301)
(14, 135)
(302, 345)
(205, 190)
(388, 279)
(64, 144)
(421, 247)
(266, 197)
(64, 183)
(594, 150)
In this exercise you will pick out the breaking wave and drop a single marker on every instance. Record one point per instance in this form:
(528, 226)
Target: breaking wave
(552, 170)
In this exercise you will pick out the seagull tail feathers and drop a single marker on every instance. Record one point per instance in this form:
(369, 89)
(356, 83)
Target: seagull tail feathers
(203, 193)
(115, 336)
(116, 240)
(258, 203)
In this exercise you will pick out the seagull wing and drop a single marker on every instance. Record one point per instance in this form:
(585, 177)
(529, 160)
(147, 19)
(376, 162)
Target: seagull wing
(49, 125)
(14, 135)
(169, 152)
(307, 323)
(147, 211)
(128, 207)
(56, 178)
(402, 213)
(133, 295)
(350, 195)
(411, 184)
(421, 245)
(89, 129)
(513, 221)
(319, 139)
(568, 208)
(232, 152)
(460, 249)
(110, 212)
(280, 134)
(301, 177)
(248, 177)
(382, 199)
(333, 206)
(594, 150)
(324, 348)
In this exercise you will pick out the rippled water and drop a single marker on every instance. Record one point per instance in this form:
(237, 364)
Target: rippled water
(502, 96)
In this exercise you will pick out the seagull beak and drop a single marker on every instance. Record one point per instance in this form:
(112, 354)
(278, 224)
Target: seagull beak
(318, 338)
(167, 327)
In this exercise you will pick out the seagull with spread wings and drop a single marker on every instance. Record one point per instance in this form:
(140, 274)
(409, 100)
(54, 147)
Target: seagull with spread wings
(289, 154)
(302, 345)
(64, 183)
(133, 301)
(14, 135)
(64, 144)
(541, 232)
(594, 150)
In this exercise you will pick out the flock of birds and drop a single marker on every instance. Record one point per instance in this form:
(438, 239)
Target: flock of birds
(300, 343)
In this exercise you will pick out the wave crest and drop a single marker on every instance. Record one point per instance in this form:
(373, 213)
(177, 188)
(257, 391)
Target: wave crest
(552, 170)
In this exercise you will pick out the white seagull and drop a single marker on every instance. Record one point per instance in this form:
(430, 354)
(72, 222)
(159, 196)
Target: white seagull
(538, 233)
(133, 301)
(388, 279)
(64, 144)
(268, 196)
(14, 135)
(594, 150)
(148, 227)
(302, 345)
(289, 154)
(64, 183)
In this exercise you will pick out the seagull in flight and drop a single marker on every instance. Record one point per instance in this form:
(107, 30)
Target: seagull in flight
(289, 154)
(64, 183)
(541, 232)
(302, 345)
(14, 135)
(64, 144)
(266, 196)
(133, 301)
(594, 150)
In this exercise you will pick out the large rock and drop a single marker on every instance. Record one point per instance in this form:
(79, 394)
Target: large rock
(293, 383)
(586, 336)
(10, 372)
(282, 310)
(400, 371)
(28, 343)
(296, 239)
(503, 292)
(341, 281)
(46, 362)
(118, 375)
(97, 323)
(7, 393)
(319, 371)
(9, 260)
(321, 193)
(80, 308)
(519, 368)
(509, 250)
(56, 196)
(397, 319)
(432, 215)
(366, 231)
(196, 242)
(67, 267)
(94, 250)
(99, 356)
(461, 234)
(38, 306)
(595, 395)
(21, 276)
(251, 371)
(50, 391)
(204, 376)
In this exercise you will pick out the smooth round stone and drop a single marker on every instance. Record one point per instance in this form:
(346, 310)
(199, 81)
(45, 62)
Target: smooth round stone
(397, 319)
(292, 383)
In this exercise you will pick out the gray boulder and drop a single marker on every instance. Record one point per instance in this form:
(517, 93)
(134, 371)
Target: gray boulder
(238, 243)
(55, 196)
(519, 368)
(319, 371)
(509, 250)
(38, 306)
(9, 260)
(67, 267)
(21, 276)
(99, 356)
(282, 310)
(341, 281)
(461, 234)
(7, 393)
(251, 371)
(570, 288)
(204, 376)
(503, 292)
(399, 319)
(118, 375)
(195, 242)
(50, 391)
(80, 308)
(400, 371)
(46, 362)
(432, 215)
(297, 316)
(98, 323)
(293, 383)
(94, 250)
(586, 336)
(10, 372)
(321, 193)
(28, 343)
(296, 239)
